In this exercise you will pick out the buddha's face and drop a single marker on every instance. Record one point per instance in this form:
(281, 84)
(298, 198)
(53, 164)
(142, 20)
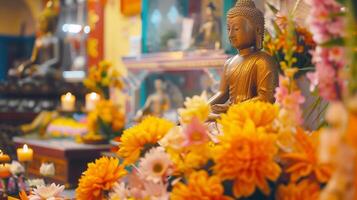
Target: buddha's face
(241, 32)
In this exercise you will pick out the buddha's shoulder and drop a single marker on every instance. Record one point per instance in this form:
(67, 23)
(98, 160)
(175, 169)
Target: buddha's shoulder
(258, 57)
(263, 56)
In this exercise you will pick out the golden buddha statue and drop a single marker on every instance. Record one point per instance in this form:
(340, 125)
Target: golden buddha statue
(251, 74)
(45, 57)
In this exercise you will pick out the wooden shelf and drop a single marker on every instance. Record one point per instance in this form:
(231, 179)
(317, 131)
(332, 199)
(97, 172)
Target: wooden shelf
(16, 118)
(194, 60)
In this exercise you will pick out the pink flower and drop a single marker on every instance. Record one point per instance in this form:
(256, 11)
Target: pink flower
(140, 188)
(195, 133)
(52, 191)
(314, 80)
(156, 191)
(156, 165)
(290, 100)
(336, 27)
(336, 55)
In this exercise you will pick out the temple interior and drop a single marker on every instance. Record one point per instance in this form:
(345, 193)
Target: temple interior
(178, 99)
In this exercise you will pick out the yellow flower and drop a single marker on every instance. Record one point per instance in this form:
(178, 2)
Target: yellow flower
(199, 187)
(105, 65)
(246, 156)
(173, 139)
(261, 113)
(136, 138)
(98, 178)
(105, 81)
(197, 106)
(188, 159)
(118, 120)
(303, 161)
(102, 76)
(305, 190)
(105, 110)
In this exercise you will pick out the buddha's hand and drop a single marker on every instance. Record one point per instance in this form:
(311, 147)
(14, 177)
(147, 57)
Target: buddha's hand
(219, 108)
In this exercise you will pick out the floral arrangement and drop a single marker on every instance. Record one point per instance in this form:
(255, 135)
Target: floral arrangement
(328, 24)
(52, 191)
(251, 157)
(334, 23)
(105, 122)
(290, 36)
(103, 76)
(256, 150)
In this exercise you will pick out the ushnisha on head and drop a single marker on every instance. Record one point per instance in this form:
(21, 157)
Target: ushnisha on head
(245, 25)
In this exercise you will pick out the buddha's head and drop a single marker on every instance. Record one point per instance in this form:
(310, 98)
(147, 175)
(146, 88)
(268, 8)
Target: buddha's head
(245, 24)
(48, 19)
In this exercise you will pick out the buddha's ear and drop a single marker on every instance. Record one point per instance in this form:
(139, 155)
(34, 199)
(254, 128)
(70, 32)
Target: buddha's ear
(259, 34)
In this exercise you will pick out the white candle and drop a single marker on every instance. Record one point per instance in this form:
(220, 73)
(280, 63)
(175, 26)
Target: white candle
(91, 100)
(24, 154)
(68, 102)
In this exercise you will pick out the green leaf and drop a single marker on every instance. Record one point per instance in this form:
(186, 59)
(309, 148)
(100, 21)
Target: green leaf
(272, 8)
(276, 28)
(337, 14)
(343, 2)
(104, 128)
(334, 42)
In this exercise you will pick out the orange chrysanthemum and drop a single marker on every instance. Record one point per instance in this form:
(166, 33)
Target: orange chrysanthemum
(99, 177)
(351, 131)
(305, 190)
(148, 132)
(200, 186)
(303, 161)
(261, 113)
(246, 156)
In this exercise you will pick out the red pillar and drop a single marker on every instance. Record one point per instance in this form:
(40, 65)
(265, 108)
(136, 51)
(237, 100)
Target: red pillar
(95, 43)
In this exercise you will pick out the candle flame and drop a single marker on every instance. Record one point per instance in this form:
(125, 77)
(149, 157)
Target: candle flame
(25, 147)
(93, 96)
(1, 152)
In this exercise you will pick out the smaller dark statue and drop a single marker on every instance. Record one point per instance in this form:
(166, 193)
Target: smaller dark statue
(45, 59)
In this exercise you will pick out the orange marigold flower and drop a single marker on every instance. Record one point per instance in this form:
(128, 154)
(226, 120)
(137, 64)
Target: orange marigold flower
(148, 132)
(99, 177)
(351, 131)
(199, 187)
(303, 161)
(246, 156)
(305, 190)
(261, 113)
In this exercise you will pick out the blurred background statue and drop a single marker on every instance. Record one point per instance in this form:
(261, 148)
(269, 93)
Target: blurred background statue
(156, 104)
(209, 35)
(45, 59)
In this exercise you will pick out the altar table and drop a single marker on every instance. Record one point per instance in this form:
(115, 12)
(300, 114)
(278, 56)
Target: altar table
(70, 158)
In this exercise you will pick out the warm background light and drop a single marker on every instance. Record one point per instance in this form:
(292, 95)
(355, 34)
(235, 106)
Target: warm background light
(68, 102)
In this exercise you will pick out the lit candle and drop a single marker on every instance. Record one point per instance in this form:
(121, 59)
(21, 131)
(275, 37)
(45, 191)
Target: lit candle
(91, 100)
(4, 157)
(68, 102)
(5, 170)
(24, 154)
